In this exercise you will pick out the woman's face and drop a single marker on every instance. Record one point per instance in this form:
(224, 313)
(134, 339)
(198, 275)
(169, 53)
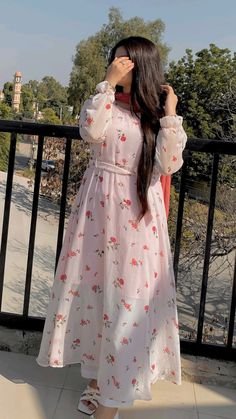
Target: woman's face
(126, 81)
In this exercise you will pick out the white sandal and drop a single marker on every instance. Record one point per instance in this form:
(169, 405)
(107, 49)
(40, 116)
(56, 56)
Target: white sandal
(90, 394)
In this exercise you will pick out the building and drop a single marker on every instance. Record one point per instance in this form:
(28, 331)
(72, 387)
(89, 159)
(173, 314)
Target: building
(2, 96)
(16, 91)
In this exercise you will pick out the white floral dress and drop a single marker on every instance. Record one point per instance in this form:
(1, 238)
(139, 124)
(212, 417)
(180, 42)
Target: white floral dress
(112, 304)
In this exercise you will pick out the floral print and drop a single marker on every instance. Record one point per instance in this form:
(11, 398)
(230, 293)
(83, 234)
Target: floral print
(112, 306)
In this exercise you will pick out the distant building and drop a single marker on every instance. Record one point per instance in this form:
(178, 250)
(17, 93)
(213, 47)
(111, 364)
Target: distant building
(2, 96)
(16, 91)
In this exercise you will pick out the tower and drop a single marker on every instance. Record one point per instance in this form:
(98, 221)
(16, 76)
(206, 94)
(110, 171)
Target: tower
(16, 91)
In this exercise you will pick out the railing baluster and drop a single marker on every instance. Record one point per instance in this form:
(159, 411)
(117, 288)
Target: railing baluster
(207, 246)
(33, 226)
(179, 220)
(63, 199)
(7, 207)
(232, 311)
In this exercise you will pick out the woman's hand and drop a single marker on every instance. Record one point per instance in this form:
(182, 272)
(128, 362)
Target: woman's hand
(171, 100)
(119, 67)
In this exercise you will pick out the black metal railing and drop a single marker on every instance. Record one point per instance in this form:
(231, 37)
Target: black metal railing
(24, 321)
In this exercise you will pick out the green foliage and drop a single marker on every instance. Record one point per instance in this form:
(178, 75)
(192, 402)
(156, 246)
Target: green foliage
(90, 60)
(8, 91)
(206, 88)
(48, 93)
(49, 116)
(5, 113)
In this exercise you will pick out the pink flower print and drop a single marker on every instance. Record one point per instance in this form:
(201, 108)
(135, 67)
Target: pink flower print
(155, 274)
(63, 277)
(153, 366)
(113, 243)
(161, 253)
(124, 341)
(89, 215)
(74, 293)
(108, 106)
(102, 203)
(110, 359)
(135, 324)
(96, 288)
(134, 224)
(56, 362)
(84, 322)
(134, 262)
(75, 343)
(166, 350)
(89, 120)
(118, 282)
(125, 203)
(121, 135)
(126, 305)
(134, 359)
(172, 372)
(100, 178)
(89, 356)
(146, 284)
(164, 148)
(59, 319)
(99, 335)
(89, 307)
(146, 308)
(115, 382)
(135, 383)
(107, 322)
(174, 158)
(71, 253)
(154, 331)
(121, 281)
(145, 247)
(154, 230)
(87, 268)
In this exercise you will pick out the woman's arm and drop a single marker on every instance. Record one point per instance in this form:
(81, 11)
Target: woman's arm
(171, 141)
(96, 113)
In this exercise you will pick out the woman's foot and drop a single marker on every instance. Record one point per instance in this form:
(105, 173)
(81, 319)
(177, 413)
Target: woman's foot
(89, 404)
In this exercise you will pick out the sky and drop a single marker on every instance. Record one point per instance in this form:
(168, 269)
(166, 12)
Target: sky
(39, 38)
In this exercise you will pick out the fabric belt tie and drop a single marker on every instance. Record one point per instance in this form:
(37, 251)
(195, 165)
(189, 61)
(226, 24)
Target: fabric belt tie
(111, 167)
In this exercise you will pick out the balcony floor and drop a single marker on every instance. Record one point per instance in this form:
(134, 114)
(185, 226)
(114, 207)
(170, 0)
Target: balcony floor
(30, 391)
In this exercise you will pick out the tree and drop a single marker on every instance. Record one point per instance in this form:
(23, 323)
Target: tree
(5, 113)
(90, 60)
(8, 92)
(206, 87)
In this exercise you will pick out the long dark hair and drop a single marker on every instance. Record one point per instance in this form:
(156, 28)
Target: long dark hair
(148, 75)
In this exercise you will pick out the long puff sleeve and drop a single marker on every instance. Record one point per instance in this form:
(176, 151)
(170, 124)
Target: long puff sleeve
(96, 113)
(170, 143)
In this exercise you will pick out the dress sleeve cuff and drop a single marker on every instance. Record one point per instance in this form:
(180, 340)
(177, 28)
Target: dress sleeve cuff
(170, 121)
(105, 87)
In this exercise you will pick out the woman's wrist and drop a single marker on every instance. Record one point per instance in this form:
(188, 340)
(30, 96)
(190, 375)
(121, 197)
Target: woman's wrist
(111, 82)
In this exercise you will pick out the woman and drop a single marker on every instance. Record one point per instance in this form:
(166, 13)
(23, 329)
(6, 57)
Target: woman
(113, 300)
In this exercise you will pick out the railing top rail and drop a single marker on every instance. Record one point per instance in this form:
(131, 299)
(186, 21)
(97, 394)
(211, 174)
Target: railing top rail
(68, 131)
(36, 128)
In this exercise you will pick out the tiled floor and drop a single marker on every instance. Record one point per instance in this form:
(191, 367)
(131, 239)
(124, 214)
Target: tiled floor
(28, 391)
